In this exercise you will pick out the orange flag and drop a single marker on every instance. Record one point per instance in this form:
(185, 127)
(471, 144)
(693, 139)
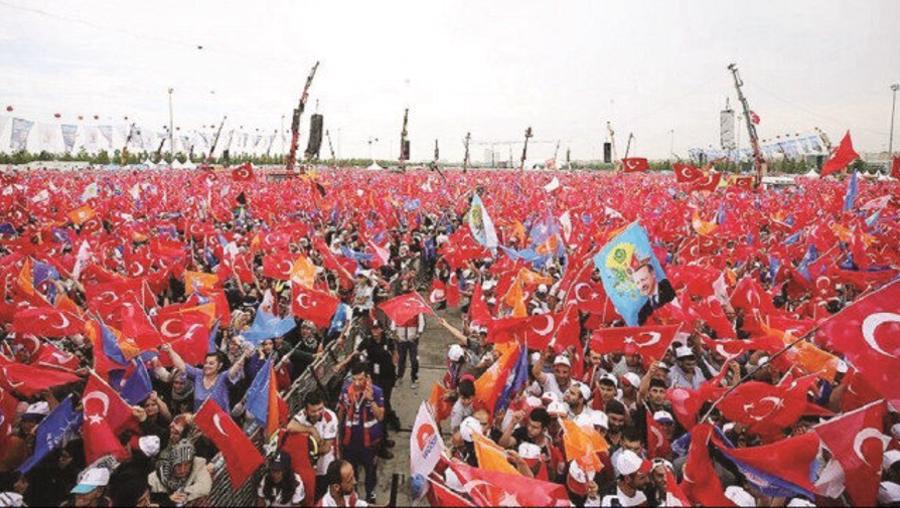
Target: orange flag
(581, 445)
(491, 457)
(303, 272)
(490, 384)
(81, 215)
(440, 408)
(199, 280)
(515, 298)
(807, 355)
(534, 278)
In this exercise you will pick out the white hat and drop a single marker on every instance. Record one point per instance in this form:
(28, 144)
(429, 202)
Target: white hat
(683, 351)
(91, 479)
(557, 408)
(542, 288)
(562, 360)
(529, 451)
(739, 496)
(585, 391)
(549, 397)
(599, 419)
(149, 445)
(632, 378)
(455, 353)
(628, 463)
(535, 357)
(40, 408)
(469, 426)
(663, 416)
(799, 501)
(609, 377)
(890, 458)
(533, 402)
(888, 492)
(895, 430)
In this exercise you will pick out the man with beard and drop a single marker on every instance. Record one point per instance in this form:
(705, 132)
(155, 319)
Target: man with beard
(341, 486)
(535, 431)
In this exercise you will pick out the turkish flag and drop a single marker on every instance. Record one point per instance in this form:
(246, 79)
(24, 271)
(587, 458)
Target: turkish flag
(743, 181)
(29, 380)
(707, 182)
(278, 265)
(789, 460)
(686, 172)
(749, 295)
(686, 403)
(452, 290)
(440, 495)
(313, 305)
(189, 335)
(490, 488)
(242, 173)
(137, 326)
(296, 445)
(51, 356)
(100, 439)
(651, 342)
(402, 308)
(657, 444)
(46, 322)
(701, 483)
(100, 401)
(241, 456)
(767, 409)
(633, 164)
(856, 441)
(841, 158)
(438, 291)
(867, 333)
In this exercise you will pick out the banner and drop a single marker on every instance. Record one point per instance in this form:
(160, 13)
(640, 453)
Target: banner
(19, 137)
(69, 132)
(726, 125)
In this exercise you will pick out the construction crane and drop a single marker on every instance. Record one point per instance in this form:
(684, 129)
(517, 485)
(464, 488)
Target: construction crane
(758, 161)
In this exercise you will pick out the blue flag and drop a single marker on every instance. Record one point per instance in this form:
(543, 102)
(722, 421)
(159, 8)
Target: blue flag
(62, 421)
(517, 379)
(340, 318)
(258, 394)
(632, 276)
(137, 387)
(268, 326)
(852, 191)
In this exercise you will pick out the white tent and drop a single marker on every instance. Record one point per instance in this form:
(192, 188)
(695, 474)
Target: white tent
(811, 173)
(176, 164)
(374, 166)
(189, 165)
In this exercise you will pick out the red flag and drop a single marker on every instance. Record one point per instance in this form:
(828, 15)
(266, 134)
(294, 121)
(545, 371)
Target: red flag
(895, 167)
(189, 335)
(754, 118)
(296, 445)
(242, 173)
(686, 172)
(100, 401)
(863, 332)
(46, 322)
(767, 409)
(479, 314)
(856, 442)
(749, 295)
(657, 444)
(701, 483)
(452, 290)
(438, 291)
(707, 182)
(405, 307)
(51, 356)
(278, 265)
(29, 380)
(137, 327)
(440, 495)
(787, 460)
(651, 342)
(241, 457)
(313, 305)
(841, 158)
(634, 164)
(100, 440)
(490, 488)
(8, 405)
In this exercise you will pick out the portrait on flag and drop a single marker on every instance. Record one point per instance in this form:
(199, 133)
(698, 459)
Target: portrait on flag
(632, 276)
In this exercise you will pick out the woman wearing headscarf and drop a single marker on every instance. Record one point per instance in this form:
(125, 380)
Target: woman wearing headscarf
(180, 476)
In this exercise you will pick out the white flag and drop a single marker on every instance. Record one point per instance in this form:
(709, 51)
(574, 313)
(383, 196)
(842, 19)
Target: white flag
(425, 445)
(44, 195)
(90, 192)
(81, 259)
(565, 220)
(553, 185)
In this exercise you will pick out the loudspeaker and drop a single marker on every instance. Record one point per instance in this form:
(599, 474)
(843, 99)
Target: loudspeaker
(404, 150)
(607, 152)
(315, 136)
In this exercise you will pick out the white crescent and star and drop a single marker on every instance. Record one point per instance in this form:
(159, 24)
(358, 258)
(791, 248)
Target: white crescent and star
(301, 298)
(96, 418)
(9, 380)
(871, 323)
(217, 421)
(862, 436)
(63, 322)
(164, 328)
(547, 328)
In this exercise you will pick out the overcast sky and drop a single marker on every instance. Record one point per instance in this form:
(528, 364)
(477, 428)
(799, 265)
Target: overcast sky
(564, 68)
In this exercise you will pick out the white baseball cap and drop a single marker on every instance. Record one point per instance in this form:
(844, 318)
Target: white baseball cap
(585, 391)
(455, 353)
(609, 377)
(632, 378)
(599, 419)
(888, 492)
(799, 501)
(529, 451)
(629, 463)
(92, 478)
(739, 496)
(890, 458)
(149, 445)
(468, 427)
(683, 351)
(562, 360)
(557, 408)
(663, 416)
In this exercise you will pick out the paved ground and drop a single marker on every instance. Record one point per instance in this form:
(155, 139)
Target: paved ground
(432, 366)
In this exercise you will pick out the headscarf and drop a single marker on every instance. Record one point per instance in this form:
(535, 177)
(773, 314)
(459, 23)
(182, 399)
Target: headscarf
(186, 393)
(179, 453)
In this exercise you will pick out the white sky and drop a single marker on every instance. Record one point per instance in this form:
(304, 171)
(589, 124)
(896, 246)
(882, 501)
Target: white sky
(489, 67)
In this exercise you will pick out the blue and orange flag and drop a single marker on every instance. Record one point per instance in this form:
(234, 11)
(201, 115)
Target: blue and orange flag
(263, 401)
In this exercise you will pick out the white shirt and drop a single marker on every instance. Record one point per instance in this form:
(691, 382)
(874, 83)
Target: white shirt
(327, 500)
(458, 414)
(634, 500)
(327, 427)
(299, 493)
(550, 385)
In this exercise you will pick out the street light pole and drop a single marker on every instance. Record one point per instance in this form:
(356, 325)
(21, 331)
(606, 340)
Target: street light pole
(171, 127)
(894, 89)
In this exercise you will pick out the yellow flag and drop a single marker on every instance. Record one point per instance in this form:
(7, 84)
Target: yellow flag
(491, 457)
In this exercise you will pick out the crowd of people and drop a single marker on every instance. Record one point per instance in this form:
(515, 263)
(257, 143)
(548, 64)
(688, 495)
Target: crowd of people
(725, 388)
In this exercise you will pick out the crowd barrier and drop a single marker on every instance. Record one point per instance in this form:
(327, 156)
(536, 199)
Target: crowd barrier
(320, 375)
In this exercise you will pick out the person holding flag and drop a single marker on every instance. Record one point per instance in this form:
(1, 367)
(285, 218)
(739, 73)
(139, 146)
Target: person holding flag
(361, 410)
